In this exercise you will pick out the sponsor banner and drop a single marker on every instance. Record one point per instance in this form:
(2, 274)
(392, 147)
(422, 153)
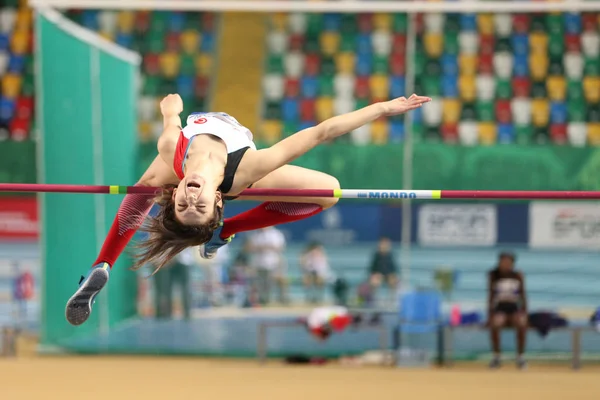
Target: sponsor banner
(458, 225)
(564, 224)
(18, 218)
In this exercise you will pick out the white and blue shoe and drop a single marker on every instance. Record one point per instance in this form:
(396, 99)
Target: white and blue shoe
(79, 306)
(209, 249)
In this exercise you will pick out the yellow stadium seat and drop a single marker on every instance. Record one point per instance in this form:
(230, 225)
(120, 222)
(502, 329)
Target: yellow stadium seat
(434, 44)
(485, 23)
(382, 21)
(330, 42)
(169, 64)
(538, 42)
(379, 86)
(467, 87)
(190, 41)
(125, 21)
(271, 131)
(324, 108)
(345, 62)
(538, 66)
(591, 88)
(451, 109)
(24, 18)
(468, 64)
(540, 112)
(107, 35)
(379, 132)
(487, 133)
(145, 131)
(20, 41)
(11, 85)
(593, 133)
(556, 86)
(204, 63)
(279, 21)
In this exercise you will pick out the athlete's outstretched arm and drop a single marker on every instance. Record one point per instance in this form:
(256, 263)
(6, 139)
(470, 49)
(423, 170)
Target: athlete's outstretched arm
(264, 161)
(132, 212)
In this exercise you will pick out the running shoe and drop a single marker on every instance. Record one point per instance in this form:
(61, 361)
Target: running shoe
(209, 249)
(79, 306)
(495, 363)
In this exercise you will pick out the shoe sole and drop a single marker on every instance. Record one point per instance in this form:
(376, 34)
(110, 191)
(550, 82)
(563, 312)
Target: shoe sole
(79, 306)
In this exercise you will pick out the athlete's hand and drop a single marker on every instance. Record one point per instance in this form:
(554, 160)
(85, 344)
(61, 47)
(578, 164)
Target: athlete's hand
(171, 105)
(402, 104)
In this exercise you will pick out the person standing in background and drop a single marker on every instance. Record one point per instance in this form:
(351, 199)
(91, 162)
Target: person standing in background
(177, 273)
(316, 271)
(383, 267)
(507, 306)
(214, 274)
(267, 246)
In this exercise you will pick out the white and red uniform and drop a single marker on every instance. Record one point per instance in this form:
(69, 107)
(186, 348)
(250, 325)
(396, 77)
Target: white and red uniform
(325, 320)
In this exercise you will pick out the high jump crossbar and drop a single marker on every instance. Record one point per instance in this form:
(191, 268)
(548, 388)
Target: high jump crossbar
(380, 194)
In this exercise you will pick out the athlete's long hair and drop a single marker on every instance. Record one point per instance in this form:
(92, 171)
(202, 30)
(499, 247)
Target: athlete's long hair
(167, 237)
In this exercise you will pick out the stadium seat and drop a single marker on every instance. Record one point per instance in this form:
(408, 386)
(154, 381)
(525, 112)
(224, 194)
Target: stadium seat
(379, 132)
(503, 111)
(295, 43)
(382, 42)
(432, 114)
(589, 21)
(307, 110)
(468, 64)
(487, 44)
(505, 133)
(468, 22)
(7, 110)
(434, 45)
(573, 43)
(557, 87)
(558, 133)
(503, 89)
(434, 22)
(344, 85)
(485, 23)
(593, 133)
(297, 22)
(521, 110)
(11, 85)
(345, 62)
(147, 108)
(468, 133)
(201, 87)
(24, 107)
(293, 64)
(487, 134)
(399, 43)
(362, 135)
(486, 87)
(521, 65)
(591, 66)
(503, 64)
(467, 87)
(449, 63)
(591, 89)
(329, 43)
(397, 64)
(468, 42)
(538, 66)
(271, 131)
(540, 109)
(451, 45)
(107, 21)
(520, 43)
(4, 61)
(273, 86)
(521, 86)
(19, 43)
(573, 63)
(169, 64)
(362, 88)
(125, 21)
(397, 86)
(204, 63)
(396, 132)
(558, 113)
(379, 86)
(502, 24)
(290, 109)
(20, 128)
(326, 86)
(343, 105)
(572, 22)
(538, 42)
(449, 133)
(309, 87)
(190, 41)
(382, 21)
(451, 110)
(449, 86)
(8, 16)
(292, 87)
(577, 133)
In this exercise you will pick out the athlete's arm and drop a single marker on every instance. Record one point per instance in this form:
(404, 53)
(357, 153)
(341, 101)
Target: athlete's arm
(170, 107)
(258, 164)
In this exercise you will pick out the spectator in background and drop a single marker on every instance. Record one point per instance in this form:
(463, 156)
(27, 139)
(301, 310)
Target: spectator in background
(267, 246)
(316, 271)
(383, 267)
(177, 273)
(214, 276)
(240, 275)
(507, 306)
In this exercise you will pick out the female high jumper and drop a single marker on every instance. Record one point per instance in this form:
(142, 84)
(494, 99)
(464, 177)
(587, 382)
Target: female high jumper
(210, 160)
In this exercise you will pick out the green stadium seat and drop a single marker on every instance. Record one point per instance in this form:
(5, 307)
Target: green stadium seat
(348, 42)
(328, 67)
(348, 25)
(188, 65)
(538, 23)
(556, 45)
(591, 66)
(468, 112)
(574, 89)
(326, 86)
(485, 111)
(399, 22)
(576, 110)
(289, 128)
(167, 86)
(314, 24)
(159, 22)
(28, 86)
(275, 64)
(431, 85)
(503, 89)
(451, 45)
(381, 64)
(554, 23)
(524, 134)
(502, 44)
(452, 23)
(538, 90)
(273, 110)
(311, 44)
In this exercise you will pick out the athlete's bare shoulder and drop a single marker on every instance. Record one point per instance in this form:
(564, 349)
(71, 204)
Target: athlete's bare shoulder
(167, 143)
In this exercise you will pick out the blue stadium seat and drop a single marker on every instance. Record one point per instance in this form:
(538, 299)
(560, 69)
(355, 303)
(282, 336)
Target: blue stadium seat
(558, 112)
(364, 64)
(185, 86)
(89, 19)
(397, 86)
(289, 109)
(396, 132)
(449, 64)
(572, 22)
(124, 39)
(450, 85)
(420, 312)
(208, 42)
(309, 87)
(7, 109)
(305, 125)
(468, 22)
(16, 63)
(417, 115)
(331, 21)
(176, 21)
(363, 43)
(521, 65)
(4, 41)
(520, 43)
(506, 133)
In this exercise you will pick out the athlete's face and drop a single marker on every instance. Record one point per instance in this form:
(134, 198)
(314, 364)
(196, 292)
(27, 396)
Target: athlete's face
(194, 202)
(506, 264)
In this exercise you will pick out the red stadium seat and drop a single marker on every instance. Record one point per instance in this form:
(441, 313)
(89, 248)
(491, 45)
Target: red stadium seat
(397, 64)
(201, 85)
(503, 112)
(486, 63)
(208, 22)
(521, 23)
(521, 87)
(361, 88)
(142, 21)
(572, 43)
(24, 107)
(589, 21)
(449, 133)
(558, 133)
(307, 110)
(19, 128)
(172, 41)
(399, 43)
(486, 44)
(296, 42)
(151, 64)
(292, 87)
(312, 64)
(365, 23)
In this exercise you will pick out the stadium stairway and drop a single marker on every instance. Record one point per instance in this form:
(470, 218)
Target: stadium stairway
(240, 58)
